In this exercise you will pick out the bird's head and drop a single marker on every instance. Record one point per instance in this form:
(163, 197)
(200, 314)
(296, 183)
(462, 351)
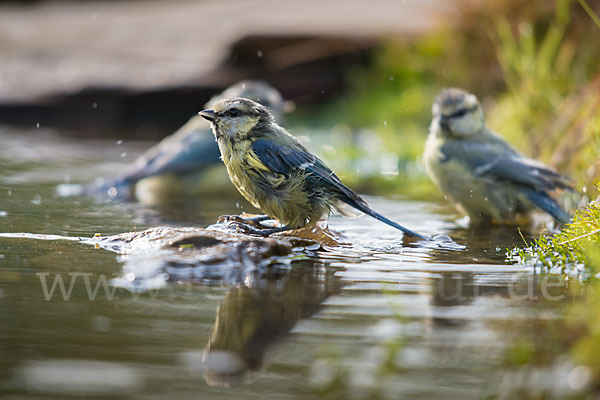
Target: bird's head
(259, 91)
(237, 118)
(457, 113)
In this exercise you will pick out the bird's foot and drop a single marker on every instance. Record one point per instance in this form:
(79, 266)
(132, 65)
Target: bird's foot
(256, 221)
(261, 231)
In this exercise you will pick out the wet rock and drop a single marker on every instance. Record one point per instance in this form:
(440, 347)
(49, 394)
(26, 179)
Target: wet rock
(156, 256)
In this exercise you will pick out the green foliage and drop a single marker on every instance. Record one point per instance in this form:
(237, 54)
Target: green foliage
(528, 65)
(551, 107)
(590, 12)
(537, 72)
(575, 246)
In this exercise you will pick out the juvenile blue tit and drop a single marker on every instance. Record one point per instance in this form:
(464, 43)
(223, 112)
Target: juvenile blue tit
(275, 173)
(181, 158)
(481, 173)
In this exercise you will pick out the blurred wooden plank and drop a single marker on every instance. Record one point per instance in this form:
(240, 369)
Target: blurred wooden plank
(62, 47)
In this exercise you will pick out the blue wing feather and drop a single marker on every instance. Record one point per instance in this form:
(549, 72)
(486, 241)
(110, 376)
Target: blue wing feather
(285, 160)
(497, 161)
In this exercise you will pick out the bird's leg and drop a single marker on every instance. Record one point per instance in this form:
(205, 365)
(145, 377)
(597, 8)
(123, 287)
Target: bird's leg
(259, 231)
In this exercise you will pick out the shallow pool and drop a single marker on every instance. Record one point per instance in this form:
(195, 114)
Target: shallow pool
(378, 317)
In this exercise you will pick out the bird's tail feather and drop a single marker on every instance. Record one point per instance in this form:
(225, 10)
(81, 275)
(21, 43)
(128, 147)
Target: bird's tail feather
(549, 205)
(364, 207)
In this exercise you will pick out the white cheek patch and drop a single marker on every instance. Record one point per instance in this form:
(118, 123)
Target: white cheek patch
(225, 128)
(468, 124)
(470, 101)
(238, 127)
(244, 125)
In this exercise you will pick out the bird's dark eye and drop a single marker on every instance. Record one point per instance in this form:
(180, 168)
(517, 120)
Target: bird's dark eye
(458, 114)
(234, 112)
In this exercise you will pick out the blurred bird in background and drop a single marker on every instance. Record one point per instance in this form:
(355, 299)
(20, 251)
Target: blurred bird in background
(276, 174)
(479, 171)
(184, 162)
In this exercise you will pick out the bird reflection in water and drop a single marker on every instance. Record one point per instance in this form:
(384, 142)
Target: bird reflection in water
(456, 288)
(257, 314)
(460, 288)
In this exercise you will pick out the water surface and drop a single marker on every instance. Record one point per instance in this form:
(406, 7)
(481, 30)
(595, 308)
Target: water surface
(381, 316)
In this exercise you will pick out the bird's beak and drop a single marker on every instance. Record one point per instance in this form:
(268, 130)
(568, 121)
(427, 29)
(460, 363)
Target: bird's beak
(208, 115)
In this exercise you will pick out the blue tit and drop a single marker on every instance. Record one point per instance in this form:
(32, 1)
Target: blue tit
(275, 173)
(181, 162)
(479, 171)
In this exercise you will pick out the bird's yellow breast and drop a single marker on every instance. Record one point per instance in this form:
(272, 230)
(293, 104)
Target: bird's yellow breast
(477, 196)
(238, 160)
(279, 196)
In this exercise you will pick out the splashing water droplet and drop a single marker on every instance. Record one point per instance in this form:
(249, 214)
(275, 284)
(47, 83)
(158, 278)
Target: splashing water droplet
(112, 192)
